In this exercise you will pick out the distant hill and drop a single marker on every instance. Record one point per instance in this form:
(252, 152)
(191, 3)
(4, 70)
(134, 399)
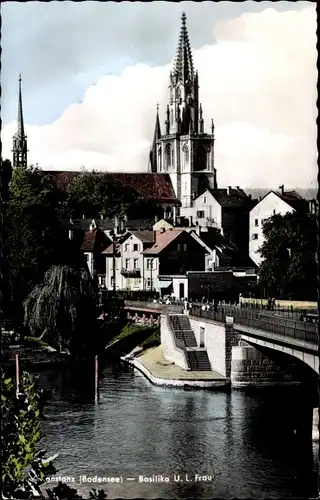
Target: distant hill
(308, 194)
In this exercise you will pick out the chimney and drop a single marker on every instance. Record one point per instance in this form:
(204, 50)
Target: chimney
(83, 216)
(229, 189)
(238, 188)
(198, 230)
(250, 196)
(281, 189)
(162, 230)
(190, 220)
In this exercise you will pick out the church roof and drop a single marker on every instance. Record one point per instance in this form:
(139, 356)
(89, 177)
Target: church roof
(150, 186)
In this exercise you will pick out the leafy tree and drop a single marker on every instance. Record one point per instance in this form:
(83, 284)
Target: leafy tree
(63, 309)
(25, 466)
(289, 268)
(91, 193)
(32, 240)
(5, 178)
(20, 434)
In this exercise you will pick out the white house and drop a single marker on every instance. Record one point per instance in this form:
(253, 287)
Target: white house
(129, 260)
(272, 203)
(207, 211)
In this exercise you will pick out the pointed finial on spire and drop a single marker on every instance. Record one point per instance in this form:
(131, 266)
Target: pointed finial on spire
(212, 126)
(183, 64)
(157, 107)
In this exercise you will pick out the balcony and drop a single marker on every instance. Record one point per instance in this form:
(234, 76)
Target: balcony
(131, 273)
(206, 221)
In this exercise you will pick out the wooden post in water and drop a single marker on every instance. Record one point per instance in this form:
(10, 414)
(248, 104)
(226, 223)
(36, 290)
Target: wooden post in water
(96, 379)
(17, 374)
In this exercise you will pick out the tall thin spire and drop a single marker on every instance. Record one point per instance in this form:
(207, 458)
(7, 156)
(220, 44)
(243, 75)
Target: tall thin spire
(153, 149)
(20, 111)
(183, 63)
(20, 139)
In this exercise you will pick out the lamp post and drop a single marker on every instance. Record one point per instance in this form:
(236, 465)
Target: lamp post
(114, 249)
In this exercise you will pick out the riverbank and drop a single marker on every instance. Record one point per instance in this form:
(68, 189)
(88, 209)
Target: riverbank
(164, 373)
(31, 358)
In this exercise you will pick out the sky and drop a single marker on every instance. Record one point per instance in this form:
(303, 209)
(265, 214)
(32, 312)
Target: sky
(94, 72)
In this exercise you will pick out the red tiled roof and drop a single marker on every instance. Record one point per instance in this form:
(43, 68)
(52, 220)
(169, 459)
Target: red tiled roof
(163, 239)
(150, 186)
(92, 239)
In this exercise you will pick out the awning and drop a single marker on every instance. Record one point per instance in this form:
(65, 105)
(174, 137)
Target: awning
(162, 284)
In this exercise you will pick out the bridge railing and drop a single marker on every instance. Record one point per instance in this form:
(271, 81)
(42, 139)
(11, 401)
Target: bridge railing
(298, 330)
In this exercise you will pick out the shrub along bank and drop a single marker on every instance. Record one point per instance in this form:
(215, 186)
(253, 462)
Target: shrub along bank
(133, 335)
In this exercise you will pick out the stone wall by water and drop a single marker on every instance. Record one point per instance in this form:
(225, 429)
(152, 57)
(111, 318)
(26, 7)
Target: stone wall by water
(170, 351)
(251, 367)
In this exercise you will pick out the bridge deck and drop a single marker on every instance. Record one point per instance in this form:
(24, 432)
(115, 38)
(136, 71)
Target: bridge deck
(276, 338)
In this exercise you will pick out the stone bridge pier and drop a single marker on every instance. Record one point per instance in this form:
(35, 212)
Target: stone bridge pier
(248, 364)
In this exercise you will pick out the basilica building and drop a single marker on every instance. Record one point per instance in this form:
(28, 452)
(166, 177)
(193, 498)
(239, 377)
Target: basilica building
(181, 162)
(184, 151)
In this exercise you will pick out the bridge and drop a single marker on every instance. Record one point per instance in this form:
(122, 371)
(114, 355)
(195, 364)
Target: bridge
(249, 347)
(269, 329)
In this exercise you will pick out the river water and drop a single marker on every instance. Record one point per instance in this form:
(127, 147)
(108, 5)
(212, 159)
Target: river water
(248, 441)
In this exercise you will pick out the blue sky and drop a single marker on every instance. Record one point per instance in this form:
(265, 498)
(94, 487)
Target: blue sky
(76, 57)
(65, 47)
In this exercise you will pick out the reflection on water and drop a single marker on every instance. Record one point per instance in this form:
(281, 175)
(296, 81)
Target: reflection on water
(245, 439)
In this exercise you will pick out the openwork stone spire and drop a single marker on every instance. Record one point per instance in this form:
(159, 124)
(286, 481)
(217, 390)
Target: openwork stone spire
(183, 63)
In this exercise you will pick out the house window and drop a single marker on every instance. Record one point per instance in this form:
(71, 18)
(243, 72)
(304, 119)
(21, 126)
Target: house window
(86, 257)
(185, 247)
(204, 199)
(274, 212)
(135, 247)
(256, 222)
(200, 214)
(150, 264)
(255, 236)
(148, 282)
(127, 261)
(102, 280)
(126, 247)
(135, 263)
(111, 281)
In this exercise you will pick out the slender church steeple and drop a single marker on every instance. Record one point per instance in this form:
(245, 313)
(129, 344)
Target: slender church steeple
(153, 149)
(20, 149)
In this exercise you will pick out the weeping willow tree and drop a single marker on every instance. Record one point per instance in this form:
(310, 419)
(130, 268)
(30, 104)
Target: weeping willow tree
(62, 309)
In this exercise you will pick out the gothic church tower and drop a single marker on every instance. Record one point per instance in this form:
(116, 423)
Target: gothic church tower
(20, 149)
(185, 151)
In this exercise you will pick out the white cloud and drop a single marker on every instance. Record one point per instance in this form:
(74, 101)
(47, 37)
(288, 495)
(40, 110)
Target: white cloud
(258, 81)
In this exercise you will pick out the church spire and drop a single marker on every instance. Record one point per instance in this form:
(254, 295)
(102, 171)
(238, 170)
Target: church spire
(20, 139)
(183, 64)
(153, 149)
